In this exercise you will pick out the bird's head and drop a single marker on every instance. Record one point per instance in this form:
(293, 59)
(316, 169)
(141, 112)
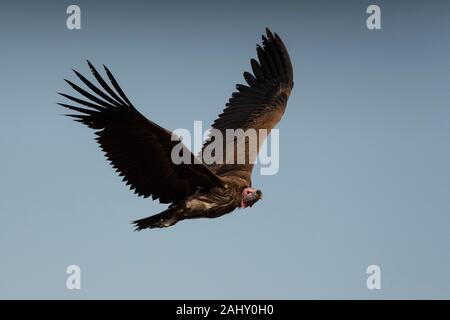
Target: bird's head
(250, 196)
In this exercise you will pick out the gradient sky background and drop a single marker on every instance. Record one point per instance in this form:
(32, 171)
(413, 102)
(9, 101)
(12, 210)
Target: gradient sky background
(364, 158)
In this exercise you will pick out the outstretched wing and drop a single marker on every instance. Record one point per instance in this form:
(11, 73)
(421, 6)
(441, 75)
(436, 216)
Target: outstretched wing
(258, 105)
(137, 148)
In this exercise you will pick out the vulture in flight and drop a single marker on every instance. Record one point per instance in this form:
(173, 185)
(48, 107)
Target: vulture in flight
(140, 150)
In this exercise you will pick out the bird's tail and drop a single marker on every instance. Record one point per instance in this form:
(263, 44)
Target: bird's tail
(164, 219)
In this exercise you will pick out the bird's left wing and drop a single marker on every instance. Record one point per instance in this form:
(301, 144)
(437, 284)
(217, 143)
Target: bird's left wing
(139, 149)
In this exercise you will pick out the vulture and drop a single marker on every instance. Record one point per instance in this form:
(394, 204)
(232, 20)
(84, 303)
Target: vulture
(140, 150)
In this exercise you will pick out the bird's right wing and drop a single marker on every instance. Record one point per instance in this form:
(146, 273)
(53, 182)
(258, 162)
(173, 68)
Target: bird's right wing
(259, 105)
(137, 148)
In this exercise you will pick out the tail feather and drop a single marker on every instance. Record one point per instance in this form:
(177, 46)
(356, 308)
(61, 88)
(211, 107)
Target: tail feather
(164, 219)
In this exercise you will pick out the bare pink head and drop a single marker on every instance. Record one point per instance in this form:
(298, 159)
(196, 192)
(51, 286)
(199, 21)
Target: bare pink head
(250, 196)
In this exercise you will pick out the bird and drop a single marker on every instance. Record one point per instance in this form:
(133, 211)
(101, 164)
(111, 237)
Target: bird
(140, 150)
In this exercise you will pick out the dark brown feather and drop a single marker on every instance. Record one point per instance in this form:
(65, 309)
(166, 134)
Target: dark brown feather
(260, 105)
(137, 148)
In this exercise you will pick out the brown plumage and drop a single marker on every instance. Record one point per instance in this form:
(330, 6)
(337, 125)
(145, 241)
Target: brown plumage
(140, 150)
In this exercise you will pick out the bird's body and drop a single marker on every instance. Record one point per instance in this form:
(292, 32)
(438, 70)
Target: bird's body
(140, 150)
(202, 204)
(216, 201)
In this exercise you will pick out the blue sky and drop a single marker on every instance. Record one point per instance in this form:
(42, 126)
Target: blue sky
(364, 152)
